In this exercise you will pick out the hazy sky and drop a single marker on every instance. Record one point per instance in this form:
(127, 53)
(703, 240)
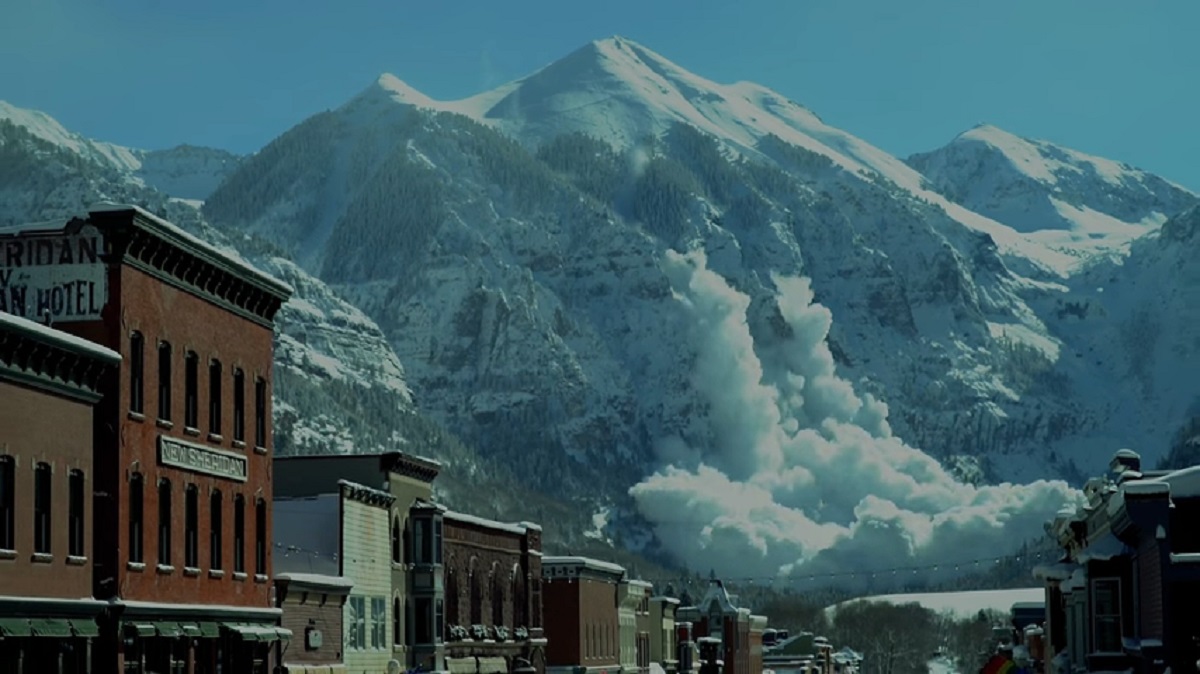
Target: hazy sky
(1111, 77)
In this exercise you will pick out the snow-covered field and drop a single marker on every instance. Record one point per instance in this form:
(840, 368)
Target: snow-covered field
(958, 604)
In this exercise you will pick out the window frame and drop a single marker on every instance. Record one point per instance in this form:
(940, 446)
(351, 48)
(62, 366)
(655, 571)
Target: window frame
(76, 514)
(165, 356)
(216, 547)
(239, 405)
(1113, 621)
(164, 521)
(260, 537)
(191, 390)
(260, 412)
(137, 518)
(215, 372)
(239, 534)
(137, 372)
(8, 502)
(43, 508)
(191, 527)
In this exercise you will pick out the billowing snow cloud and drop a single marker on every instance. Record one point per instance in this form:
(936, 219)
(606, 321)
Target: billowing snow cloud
(801, 475)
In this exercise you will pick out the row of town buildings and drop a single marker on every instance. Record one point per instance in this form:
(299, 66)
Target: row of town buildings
(1125, 593)
(147, 527)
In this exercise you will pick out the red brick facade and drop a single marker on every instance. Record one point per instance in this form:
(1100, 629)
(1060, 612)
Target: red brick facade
(581, 595)
(175, 463)
(492, 575)
(48, 384)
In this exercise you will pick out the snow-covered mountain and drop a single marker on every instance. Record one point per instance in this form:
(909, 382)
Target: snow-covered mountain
(614, 273)
(1069, 200)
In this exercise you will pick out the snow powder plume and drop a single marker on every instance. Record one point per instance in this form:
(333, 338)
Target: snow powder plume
(801, 476)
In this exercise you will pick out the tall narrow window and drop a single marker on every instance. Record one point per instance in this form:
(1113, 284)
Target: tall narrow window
(239, 405)
(136, 518)
(214, 535)
(164, 381)
(214, 396)
(75, 507)
(191, 526)
(439, 619)
(397, 634)
(239, 534)
(137, 369)
(8, 506)
(164, 522)
(260, 412)
(191, 409)
(1106, 615)
(423, 618)
(437, 540)
(260, 538)
(535, 602)
(396, 555)
(42, 500)
(420, 536)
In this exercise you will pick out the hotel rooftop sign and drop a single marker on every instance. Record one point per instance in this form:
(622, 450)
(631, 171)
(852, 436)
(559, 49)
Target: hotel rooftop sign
(200, 459)
(53, 274)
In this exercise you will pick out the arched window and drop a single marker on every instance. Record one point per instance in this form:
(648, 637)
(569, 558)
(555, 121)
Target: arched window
(453, 593)
(191, 527)
(215, 528)
(498, 599)
(239, 534)
(476, 581)
(137, 368)
(397, 633)
(517, 581)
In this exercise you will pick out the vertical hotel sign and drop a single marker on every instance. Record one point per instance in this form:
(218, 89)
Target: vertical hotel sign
(56, 275)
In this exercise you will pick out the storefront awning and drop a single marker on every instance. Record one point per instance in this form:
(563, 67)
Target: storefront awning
(15, 627)
(141, 629)
(209, 630)
(50, 627)
(170, 630)
(190, 629)
(85, 627)
(249, 632)
(492, 665)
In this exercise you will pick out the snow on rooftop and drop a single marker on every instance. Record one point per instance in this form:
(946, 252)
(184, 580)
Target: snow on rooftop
(48, 335)
(220, 252)
(316, 579)
(483, 522)
(588, 562)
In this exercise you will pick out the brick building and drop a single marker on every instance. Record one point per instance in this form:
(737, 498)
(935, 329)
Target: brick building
(415, 536)
(312, 606)
(717, 616)
(49, 382)
(344, 533)
(182, 436)
(493, 615)
(581, 594)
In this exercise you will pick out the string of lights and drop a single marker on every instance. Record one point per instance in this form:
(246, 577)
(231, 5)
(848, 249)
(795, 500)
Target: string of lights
(896, 571)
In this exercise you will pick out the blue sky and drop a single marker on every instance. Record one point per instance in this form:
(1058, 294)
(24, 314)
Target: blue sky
(1111, 77)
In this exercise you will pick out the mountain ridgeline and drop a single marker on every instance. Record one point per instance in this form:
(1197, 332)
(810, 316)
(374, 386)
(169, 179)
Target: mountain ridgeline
(484, 280)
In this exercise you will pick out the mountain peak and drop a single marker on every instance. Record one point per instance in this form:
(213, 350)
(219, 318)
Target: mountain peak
(401, 92)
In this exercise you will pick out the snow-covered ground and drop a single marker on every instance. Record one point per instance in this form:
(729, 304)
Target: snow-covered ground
(958, 604)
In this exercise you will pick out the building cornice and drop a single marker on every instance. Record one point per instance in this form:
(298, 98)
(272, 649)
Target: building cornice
(152, 245)
(52, 361)
(416, 467)
(365, 494)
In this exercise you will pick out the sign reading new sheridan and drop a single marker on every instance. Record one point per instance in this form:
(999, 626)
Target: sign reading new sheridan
(200, 459)
(57, 275)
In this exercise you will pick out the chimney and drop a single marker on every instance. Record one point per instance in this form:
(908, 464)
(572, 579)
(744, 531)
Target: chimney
(1125, 459)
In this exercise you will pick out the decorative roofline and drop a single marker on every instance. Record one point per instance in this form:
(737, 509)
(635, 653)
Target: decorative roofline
(146, 242)
(408, 465)
(51, 360)
(365, 494)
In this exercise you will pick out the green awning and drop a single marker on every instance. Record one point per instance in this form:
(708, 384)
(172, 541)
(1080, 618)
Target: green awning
(15, 627)
(246, 632)
(190, 629)
(85, 627)
(169, 630)
(210, 629)
(283, 633)
(141, 629)
(50, 627)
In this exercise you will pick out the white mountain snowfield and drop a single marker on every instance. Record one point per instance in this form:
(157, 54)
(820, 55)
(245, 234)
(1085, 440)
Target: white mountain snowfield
(960, 605)
(723, 380)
